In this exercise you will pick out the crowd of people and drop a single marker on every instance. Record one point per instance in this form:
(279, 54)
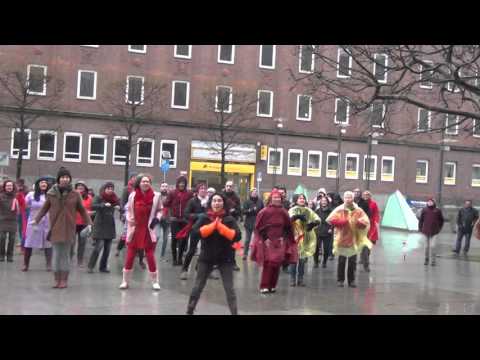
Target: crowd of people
(58, 218)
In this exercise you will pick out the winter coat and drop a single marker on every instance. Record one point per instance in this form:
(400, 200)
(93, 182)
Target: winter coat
(251, 208)
(62, 209)
(176, 202)
(193, 209)
(87, 204)
(216, 249)
(363, 204)
(233, 204)
(132, 237)
(431, 221)
(8, 217)
(374, 217)
(466, 218)
(324, 229)
(104, 224)
(306, 240)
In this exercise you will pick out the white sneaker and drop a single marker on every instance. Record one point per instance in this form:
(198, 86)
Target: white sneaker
(154, 279)
(264, 291)
(126, 278)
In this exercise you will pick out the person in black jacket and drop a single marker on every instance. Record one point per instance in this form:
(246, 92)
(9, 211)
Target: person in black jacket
(218, 232)
(251, 208)
(466, 218)
(362, 203)
(324, 232)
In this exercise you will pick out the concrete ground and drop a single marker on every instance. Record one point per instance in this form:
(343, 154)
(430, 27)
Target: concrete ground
(399, 283)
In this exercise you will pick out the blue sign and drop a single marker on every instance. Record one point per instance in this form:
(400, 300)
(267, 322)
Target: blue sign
(165, 166)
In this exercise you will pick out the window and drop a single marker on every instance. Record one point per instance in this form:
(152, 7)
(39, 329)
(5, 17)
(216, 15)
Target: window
(183, 51)
(265, 103)
(226, 54)
(120, 150)
(47, 145)
(314, 163)
(223, 99)
(451, 85)
(422, 172)
(450, 172)
(424, 120)
(145, 152)
(306, 62)
(332, 165)
(295, 161)
(380, 65)
(476, 128)
(275, 161)
(476, 175)
(351, 166)
(87, 85)
(451, 124)
(373, 167)
(344, 64)
(304, 107)
(17, 141)
(378, 115)
(426, 75)
(97, 149)
(180, 94)
(341, 111)
(139, 49)
(169, 147)
(267, 56)
(72, 147)
(388, 168)
(37, 79)
(135, 89)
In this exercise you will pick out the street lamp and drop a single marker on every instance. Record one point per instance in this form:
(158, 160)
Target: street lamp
(341, 131)
(278, 126)
(443, 148)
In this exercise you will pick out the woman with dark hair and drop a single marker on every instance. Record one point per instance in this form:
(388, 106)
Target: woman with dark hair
(36, 236)
(82, 189)
(143, 214)
(9, 210)
(219, 233)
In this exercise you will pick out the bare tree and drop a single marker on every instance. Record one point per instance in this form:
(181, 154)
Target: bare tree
(133, 104)
(25, 98)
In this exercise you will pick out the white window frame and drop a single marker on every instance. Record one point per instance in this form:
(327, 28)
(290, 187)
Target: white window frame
(314, 152)
(27, 155)
(144, 51)
(354, 156)
(455, 89)
(475, 182)
(347, 118)
(79, 77)
(332, 154)
(290, 170)
(187, 100)
(274, 52)
(55, 135)
(422, 82)
(473, 129)
(454, 173)
(114, 146)
(309, 118)
(72, 134)
(339, 51)
(142, 93)
(105, 148)
(271, 103)
(455, 129)
(229, 110)
(426, 162)
(220, 61)
(189, 56)
(375, 67)
(384, 109)
(45, 68)
(279, 170)
(174, 166)
(429, 116)
(312, 63)
(385, 176)
(93, 46)
(373, 174)
(152, 158)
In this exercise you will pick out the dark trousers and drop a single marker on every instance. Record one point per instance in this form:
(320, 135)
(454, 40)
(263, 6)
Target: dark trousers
(365, 257)
(270, 274)
(460, 235)
(352, 265)
(204, 270)
(325, 243)
(27, 254)
(181, 245)
(194, 239)
(10, 246)
(248, 238)
(81, 241)
(300, 266)
(99, 243)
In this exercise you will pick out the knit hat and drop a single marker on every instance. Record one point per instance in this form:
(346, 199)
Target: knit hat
(63, 172)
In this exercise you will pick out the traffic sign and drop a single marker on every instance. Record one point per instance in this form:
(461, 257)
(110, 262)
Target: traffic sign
(165, 166)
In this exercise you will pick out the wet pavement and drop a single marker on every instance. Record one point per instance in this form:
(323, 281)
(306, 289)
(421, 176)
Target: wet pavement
(398, 283)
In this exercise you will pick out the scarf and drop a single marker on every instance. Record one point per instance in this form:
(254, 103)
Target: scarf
(212, 215)
(112, 198)
(146, 198)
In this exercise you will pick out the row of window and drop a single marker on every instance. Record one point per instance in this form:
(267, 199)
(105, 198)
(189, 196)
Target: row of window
(97, 148)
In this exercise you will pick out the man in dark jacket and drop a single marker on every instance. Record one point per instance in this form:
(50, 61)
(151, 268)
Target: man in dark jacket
(362, 203)
(324, 232)
(177, 202)
(235, 210)
(466, 218)
(251, 208)
(430, 224)
(164, 221)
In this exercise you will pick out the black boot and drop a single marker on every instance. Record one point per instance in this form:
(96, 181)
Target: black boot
(26, 259)
(232, 305)
(192, 303)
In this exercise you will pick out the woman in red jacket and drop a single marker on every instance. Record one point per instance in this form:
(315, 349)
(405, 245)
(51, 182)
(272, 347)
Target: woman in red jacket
(82, 189)
(374, 217)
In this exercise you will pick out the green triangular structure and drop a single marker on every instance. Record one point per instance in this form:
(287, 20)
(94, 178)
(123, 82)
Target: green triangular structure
(301, 190)
(398, 214)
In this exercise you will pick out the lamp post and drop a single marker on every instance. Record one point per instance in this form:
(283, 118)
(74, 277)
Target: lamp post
(443, 148)
(278, 126)
(341, 130)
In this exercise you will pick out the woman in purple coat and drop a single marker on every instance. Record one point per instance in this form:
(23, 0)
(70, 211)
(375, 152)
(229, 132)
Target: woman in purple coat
(36, 237)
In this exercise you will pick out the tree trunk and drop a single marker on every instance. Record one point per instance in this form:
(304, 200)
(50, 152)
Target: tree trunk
(127, 160)
(222, 150)
(21, 148)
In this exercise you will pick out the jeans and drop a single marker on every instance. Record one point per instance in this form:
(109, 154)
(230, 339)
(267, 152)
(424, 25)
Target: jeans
(204, 270)
(99, 243)
(191, 251)
(301, 269)
(180, 244)
(248, 238)
(61, 256)
(430, 247)
(164, 230)
(10, 246)
(81, 241)
(352, 266)
(460, 236)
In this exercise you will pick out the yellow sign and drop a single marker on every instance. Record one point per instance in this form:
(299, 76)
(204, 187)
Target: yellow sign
(294, 171)
(421, 179)
(313, 172)
(215, 167)
(449, 181)
(331, 173)
(475, 182)
(351, 174)
(387, 177)
(263, 152)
